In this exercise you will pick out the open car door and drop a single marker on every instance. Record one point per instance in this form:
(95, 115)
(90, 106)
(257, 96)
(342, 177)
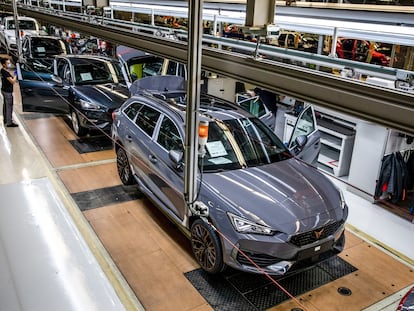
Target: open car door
(305, 140)
(136, 64)
(40, 93)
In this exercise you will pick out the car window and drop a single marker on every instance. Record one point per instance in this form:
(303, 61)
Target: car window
(255, 106)
(117, 67)
(147, 119)
(132, 110)
(62, 66)
(10, 24)
(305, 126)
(25, 47)
(152, 69)
(169, 136)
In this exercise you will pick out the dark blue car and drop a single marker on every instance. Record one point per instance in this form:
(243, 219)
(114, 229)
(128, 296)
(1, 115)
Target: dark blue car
(87, 88)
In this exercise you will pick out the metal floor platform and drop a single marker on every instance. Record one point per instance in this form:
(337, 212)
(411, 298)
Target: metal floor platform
(234, 290)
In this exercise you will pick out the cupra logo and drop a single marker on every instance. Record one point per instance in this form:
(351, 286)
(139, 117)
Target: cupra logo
(318, 234)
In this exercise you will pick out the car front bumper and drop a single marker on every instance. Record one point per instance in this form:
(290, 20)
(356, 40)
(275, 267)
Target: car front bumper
(280, 257)
(96, 120)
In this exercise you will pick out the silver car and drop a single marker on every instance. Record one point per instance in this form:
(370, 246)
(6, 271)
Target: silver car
(269, 211)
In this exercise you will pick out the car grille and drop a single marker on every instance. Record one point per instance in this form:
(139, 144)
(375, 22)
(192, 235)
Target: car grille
(262, 260)
(315, 235)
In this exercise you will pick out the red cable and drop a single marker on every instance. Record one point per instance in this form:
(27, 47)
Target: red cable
(260, 269)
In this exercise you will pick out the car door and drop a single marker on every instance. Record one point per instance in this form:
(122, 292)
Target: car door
(167, 175)
(41, 93)
(306, 125)
(140, 145)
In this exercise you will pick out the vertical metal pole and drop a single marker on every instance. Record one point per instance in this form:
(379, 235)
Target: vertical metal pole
(333, 44)
(195, 30)
(392, 58)
(17, 31)
(152, 17)
(320, 48)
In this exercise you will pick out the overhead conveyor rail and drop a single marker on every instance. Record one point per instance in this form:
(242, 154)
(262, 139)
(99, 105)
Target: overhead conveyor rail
(390, 108)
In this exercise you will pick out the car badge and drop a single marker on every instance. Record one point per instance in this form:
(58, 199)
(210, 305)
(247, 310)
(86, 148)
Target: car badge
(318, 234)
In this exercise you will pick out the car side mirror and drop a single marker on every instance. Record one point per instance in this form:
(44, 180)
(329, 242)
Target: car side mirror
(301, 141)
(57, 80)
(177, 157)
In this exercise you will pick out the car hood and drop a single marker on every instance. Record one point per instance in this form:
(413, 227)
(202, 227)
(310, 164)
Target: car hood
(109, 95)
(289, 194)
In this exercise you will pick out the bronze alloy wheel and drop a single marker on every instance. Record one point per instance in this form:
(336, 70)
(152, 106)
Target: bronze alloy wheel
(206, 247)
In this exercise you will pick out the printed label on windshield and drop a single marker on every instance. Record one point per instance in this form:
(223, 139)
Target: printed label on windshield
(216, 149)
(86, 76)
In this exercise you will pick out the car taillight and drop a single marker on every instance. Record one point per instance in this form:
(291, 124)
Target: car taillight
(113, 115)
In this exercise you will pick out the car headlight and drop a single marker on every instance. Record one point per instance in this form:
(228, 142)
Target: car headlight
(87, 105)
(243, 225)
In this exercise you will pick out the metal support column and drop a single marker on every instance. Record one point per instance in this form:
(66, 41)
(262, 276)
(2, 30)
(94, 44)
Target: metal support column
(17, 32)
(195, 32)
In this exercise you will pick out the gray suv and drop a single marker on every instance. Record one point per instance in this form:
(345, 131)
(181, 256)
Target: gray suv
(269, 211)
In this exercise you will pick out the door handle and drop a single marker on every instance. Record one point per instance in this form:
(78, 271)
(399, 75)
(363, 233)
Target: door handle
(129, 138)
(316, 145)
(152, 158)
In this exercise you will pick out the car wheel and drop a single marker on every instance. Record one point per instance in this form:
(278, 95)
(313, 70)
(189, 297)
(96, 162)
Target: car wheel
(206, 247)
(124, 169)
(77, 128)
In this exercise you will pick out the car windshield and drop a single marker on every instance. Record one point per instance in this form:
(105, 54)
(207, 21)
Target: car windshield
(23, 25)
(46, 47)
(97, 72)
(238, 143)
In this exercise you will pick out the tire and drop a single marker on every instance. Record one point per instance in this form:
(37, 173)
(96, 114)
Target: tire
(76, 126)
(124, 168)
(206, 247)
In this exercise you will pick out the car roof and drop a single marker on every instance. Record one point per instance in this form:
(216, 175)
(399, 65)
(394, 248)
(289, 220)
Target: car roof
(42, 37)
(77, 58)
(20, 17)
(174, 100)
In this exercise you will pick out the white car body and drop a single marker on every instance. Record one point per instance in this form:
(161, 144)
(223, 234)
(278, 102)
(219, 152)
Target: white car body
(27, 26)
